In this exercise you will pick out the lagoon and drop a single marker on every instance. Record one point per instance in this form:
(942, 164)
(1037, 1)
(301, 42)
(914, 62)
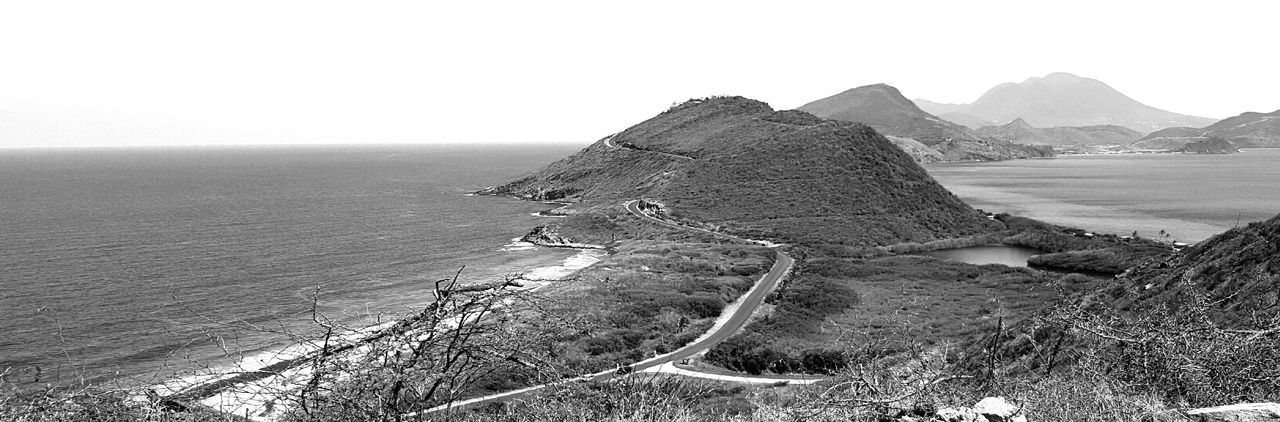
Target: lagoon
(1012, 256)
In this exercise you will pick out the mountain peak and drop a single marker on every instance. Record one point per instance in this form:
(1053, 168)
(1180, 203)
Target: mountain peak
(1019, 123)
(882, 87)
(1060, 77)
(884, 108)
(725, 102)
(1064, 99)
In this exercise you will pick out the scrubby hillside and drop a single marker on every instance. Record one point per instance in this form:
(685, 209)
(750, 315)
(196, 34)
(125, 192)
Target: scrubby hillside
(736, 164)
(1238, 270)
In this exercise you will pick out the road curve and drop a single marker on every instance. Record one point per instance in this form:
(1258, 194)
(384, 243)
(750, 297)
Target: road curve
(724, 328)
(608, 142)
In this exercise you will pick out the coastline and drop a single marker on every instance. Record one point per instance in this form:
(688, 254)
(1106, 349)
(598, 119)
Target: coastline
(253, 384)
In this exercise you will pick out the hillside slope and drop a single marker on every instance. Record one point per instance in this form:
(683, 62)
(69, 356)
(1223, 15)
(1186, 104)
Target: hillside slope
(1248, 130)
(1238, 270)
(1063, 99)
(736, 164)
(884, 108)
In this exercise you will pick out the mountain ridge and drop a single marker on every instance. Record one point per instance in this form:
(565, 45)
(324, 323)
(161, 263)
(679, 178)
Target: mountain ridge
(1064, 99)
(1020, 131)
(884, 108)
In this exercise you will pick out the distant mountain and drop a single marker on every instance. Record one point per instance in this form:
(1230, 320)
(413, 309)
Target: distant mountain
(884, 108)
(967, 120)
(1021, 132)
(1248, 130)
(736, 164)
(1063, 99)
(940, 109)
(1171, 138)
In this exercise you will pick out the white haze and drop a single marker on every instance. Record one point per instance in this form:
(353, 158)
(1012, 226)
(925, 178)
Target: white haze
(255, 72)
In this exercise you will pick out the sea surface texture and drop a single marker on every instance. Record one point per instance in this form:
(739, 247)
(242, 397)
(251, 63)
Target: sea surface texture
(1190, 197)
(123, 263)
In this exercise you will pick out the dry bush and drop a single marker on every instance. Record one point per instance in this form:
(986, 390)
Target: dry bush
(1177, 351)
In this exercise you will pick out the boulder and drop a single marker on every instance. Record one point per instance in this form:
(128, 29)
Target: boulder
(948, 414)
(997, 409)
(990, 409)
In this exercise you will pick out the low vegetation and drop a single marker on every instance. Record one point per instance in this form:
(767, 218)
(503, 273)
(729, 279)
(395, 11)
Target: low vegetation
(651, 298)
(834, 299)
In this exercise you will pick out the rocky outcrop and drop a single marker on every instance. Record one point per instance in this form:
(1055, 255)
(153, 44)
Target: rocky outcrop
(990, 409)
(546, 235)
(1210, 145)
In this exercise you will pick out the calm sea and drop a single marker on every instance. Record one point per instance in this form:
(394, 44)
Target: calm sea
(1191, 197)
(111, 260)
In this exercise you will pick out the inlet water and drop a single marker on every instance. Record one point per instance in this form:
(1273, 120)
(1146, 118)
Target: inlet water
(1013, 256)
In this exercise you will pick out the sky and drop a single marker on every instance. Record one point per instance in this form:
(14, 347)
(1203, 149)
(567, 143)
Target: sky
(129, 73)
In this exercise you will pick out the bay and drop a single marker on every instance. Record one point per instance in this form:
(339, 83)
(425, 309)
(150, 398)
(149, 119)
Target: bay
(1188, 196)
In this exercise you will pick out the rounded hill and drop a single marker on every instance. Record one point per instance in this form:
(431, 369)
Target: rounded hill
(736, 164)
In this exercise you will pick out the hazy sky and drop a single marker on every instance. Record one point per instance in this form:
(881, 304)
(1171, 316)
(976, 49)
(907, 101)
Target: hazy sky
(177, 72)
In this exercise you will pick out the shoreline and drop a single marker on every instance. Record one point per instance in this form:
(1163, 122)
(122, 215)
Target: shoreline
(252, 384)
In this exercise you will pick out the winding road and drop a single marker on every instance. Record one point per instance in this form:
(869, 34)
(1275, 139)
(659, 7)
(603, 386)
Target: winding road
(608, 142)
(726, 326)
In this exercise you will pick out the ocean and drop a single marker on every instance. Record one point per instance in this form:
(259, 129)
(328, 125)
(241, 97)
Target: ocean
(140, 264)
(1190, 197)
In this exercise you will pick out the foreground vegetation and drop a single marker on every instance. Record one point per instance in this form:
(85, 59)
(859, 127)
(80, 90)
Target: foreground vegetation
(652, 298)
(833, 301)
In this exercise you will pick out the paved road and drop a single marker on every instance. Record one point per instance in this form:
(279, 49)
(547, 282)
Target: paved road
(608, 142)
(723, 329)
(633, 206)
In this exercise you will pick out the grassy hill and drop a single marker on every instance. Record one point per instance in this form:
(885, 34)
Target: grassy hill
(736, 164)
